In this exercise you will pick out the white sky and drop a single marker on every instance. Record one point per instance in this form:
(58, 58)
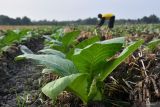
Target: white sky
(75, 9)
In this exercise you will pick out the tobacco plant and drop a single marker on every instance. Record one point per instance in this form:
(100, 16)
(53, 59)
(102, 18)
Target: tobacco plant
(83, 71)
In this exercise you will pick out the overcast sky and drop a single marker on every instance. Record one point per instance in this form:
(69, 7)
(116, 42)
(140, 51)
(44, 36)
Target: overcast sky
(75, 9)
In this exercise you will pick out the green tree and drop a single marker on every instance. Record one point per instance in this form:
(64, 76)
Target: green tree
(25, 20)
(153, 19)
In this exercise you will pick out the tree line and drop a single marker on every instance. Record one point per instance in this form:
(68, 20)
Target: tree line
(5, 20)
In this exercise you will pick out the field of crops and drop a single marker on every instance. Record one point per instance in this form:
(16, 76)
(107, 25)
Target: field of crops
(80, 66)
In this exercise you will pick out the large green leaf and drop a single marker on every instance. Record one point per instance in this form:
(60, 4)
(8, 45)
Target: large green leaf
(25, 50)
(69, 38)
(82, 44)
(80, 87)
(56, 42)
(112, 64)
(52, 42)
(55, 87)
(153, 44)
(88, 59)
(94, 91)
(59, 65)
(53, 52)
(86, 42)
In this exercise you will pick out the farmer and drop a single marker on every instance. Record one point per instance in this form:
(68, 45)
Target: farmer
(104, 17)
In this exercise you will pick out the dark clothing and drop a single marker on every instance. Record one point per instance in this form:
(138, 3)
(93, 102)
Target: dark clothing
(110, 23)
(101, 22)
